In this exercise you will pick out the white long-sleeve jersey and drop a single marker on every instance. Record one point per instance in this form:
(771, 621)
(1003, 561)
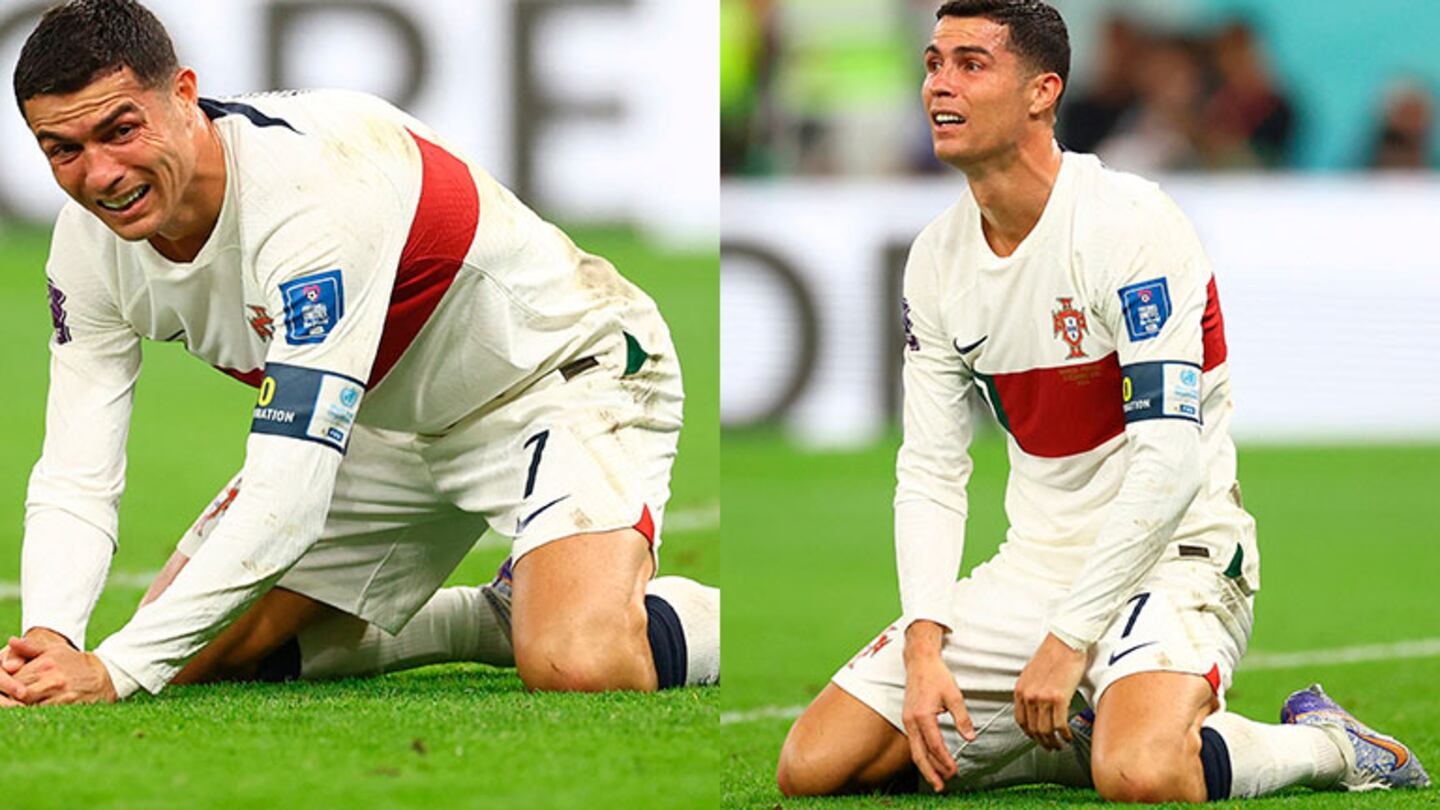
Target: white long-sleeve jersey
(355, 257)
(1099, 344)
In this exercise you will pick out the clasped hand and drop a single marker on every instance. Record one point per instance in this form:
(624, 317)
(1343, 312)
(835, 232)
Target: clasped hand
(43, 668)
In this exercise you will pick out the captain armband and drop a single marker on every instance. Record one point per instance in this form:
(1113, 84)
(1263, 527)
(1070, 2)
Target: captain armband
(1161, 390)
(306, 404)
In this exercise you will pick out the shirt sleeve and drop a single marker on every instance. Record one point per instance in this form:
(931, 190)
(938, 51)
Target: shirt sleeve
(72, 504)
(1154, 308)
(332, 280)
(933, 466)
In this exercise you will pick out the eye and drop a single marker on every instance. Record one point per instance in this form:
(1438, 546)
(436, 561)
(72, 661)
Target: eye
(973, 66)
(63, 152)
(123, 131)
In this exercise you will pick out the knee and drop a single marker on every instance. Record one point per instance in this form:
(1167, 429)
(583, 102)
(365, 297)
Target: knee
(595, 655)
(1146, 774)
(802, 771)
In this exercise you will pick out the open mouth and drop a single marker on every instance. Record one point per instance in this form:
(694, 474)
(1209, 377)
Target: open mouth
(120, 205)
(946, 119)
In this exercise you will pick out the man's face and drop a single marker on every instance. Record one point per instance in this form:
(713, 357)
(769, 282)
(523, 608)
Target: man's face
(976, 90)
(124, 152)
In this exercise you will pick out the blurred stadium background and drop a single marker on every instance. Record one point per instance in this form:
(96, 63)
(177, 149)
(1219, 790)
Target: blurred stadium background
(607, 140)
(1299, 137)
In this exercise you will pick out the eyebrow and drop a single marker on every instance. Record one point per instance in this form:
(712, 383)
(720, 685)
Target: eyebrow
(959, 49)
(121, 111)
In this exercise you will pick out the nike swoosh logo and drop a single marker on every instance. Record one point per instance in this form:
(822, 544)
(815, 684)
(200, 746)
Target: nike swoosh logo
(972, 347)
(525, 521)
(1401, 755)
(1117, 656)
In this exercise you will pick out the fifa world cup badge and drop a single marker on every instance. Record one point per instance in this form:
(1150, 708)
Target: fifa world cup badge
(1070, 327)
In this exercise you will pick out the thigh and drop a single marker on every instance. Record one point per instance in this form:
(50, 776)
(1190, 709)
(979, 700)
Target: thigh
(841, 745)
(1146, 743)
(235, 654)
(589, 584)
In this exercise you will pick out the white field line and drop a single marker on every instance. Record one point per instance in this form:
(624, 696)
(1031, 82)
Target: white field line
(1419, 648)
(680, 521)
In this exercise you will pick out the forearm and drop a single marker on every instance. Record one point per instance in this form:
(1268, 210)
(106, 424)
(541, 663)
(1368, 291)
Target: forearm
(929, 541)
(1162, 479)
(63, 566)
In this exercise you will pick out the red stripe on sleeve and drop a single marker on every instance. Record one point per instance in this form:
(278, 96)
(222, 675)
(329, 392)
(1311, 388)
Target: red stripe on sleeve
(440, 236)
(252, 378)
(1213, 324)
(1058, 412)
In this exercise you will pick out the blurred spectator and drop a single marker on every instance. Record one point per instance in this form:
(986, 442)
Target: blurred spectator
(845, 79)
(1090, 115)
(1406, 127)
(1250, 122)
(1163, 130)
(745, 67)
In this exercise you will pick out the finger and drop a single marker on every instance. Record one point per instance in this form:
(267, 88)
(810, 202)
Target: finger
(921, 759)
(25, 648)
(43, 691)
(1039, 712)
(955, 704)
(11, 687)
(1020, 719)
(1061, 721)
(935, 747)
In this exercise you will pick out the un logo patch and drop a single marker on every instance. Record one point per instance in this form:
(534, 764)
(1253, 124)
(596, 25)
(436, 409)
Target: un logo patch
(313, 307)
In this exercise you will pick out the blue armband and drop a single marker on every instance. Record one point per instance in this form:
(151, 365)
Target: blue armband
(1161, 390)
(306, 404)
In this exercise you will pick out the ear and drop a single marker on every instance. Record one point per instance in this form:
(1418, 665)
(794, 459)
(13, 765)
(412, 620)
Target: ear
(1045, 90)
(186, 87)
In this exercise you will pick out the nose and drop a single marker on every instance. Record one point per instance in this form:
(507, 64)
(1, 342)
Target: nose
(940, 83)
(103, 173)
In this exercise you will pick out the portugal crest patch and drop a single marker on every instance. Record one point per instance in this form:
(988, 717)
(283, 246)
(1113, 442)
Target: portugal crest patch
(1070, 326)
(1146, 306)
(313, 307)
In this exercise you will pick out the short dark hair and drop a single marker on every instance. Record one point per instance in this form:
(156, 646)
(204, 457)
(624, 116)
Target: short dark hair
(1037, 31)
(82, 40)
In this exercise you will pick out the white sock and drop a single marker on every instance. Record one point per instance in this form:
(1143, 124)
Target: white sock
(698, 608)
(1266, 758)
(457, 624)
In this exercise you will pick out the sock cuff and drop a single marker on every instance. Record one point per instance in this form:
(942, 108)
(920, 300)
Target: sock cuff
(667, 642)
(1215, 760)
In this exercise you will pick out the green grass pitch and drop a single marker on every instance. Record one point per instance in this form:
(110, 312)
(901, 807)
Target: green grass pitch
(452, 736)
(1348, 540)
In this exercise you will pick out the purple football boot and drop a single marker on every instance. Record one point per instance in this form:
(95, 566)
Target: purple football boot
(1374, 761)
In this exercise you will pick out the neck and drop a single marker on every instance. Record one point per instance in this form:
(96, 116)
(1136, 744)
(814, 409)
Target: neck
(182, 239)
(1012, 189)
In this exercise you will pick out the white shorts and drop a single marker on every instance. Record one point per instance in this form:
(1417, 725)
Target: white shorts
(591, 453)
(1185, 617)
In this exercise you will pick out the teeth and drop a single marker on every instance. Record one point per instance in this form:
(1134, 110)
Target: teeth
(120, 203)
(948, 118)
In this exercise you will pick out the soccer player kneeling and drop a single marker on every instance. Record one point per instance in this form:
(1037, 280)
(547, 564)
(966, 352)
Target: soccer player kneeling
(1079, 302)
